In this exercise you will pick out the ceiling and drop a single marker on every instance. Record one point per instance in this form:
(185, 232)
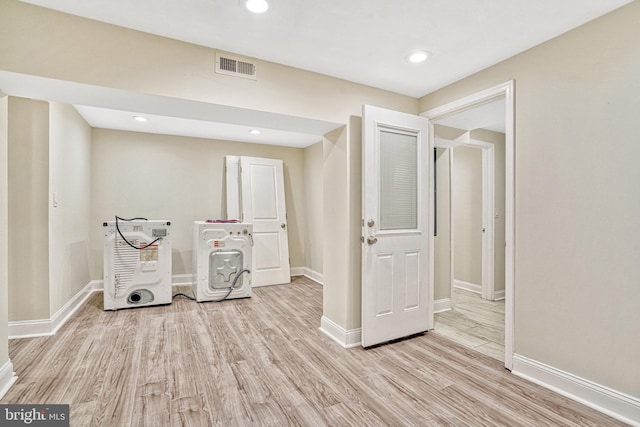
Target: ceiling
(363, 41)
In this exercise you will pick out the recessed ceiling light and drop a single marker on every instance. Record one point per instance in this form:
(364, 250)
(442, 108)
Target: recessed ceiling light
(418, 57)
(257, 6)
(140, 119)
(254, 132)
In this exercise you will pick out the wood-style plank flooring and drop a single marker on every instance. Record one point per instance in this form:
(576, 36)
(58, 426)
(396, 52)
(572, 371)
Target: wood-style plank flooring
(263, 361)
(473, 322)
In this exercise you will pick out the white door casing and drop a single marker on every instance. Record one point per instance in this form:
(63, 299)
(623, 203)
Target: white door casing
(263, 205)
(397, 242)
(506, 91)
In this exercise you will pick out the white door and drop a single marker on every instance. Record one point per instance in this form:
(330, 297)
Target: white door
(263, 205)
(396, 272)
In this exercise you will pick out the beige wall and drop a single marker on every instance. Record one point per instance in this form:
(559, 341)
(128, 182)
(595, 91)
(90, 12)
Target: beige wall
(180, 179)
(70, 179)
(28, 209)
(442, 241)
(576, 177)
(313, 197)
(498, 141)
(4, 246)
(336, 223)
(466, 204)
(47, 43)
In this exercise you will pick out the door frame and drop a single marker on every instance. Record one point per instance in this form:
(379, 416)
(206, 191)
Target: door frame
(487, 284)
(506, 91)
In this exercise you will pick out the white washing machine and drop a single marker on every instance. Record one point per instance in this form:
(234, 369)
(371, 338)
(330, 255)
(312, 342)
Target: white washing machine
(137, 263)
(221, 260)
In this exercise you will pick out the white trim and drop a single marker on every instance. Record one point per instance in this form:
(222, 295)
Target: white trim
(61, 316)
(176, 280)
(182, 280)
(505, 90)
(346, 339)
(232, 177)
(498, 295)
(48, 327)
(7, 378)
(471, 287)
(297, 271)
(308, 273)
(604, 399)
(441, 305)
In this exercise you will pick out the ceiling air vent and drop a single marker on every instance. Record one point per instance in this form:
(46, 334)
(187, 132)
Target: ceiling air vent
(235, 66)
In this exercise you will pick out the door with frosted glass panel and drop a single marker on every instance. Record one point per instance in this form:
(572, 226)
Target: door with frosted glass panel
(396, 285)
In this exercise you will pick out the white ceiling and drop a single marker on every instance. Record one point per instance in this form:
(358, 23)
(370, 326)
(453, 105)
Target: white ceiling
(364, 41)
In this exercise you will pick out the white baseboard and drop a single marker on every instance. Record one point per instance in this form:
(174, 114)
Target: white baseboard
(346, 339)
(471, 287)
(176, 280)
(182, 280)
(7, 378)
(442, 305)
(296, 271)
(307, 272)
(498, 295)
(604, 399)
(48, 327)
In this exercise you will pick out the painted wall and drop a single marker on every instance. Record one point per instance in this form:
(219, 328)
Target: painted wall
(70, 179)
(314, 241)
(4, 235)
(577, 234)
(28, 209)
(180, 179)
(466, 201)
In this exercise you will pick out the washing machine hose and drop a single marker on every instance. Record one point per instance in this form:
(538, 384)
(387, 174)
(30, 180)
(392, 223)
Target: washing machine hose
(233, 285)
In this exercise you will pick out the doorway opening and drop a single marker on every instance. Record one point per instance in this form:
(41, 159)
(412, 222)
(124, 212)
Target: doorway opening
(473, 247)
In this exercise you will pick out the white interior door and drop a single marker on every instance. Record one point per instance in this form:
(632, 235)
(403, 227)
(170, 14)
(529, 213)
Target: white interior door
(396, 261)
(263, 205)
(232, 177)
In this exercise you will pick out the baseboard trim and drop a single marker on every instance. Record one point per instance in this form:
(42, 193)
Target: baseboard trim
(309, 273)
(48, 327)
(498, 295)
(7, 378)
(442, 305)
(182, 280)
(346, 338)
(604, 399)
(296, 271)
(471, 287)
(62, 315)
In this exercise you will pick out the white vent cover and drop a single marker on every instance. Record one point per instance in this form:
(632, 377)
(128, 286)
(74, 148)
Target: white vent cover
(235, 66)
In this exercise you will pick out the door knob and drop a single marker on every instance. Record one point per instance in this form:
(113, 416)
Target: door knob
(283, 225)
(371, 240)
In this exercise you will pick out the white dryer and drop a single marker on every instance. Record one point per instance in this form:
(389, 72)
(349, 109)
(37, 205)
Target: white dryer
(137, 263)
(221, 260)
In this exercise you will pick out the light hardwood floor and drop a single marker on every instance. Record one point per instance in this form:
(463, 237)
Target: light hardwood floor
(473, 322)
(263, 361)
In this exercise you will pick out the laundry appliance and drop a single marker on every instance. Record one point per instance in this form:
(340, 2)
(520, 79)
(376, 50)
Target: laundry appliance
(222, 260)
(137, 263)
